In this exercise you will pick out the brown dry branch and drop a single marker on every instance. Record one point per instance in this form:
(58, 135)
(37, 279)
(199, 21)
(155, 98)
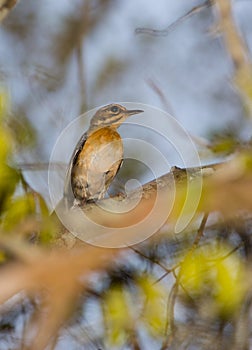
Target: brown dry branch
(224, 188)
(233, 41)
(5, 7)
(237, 50)
(160, 93)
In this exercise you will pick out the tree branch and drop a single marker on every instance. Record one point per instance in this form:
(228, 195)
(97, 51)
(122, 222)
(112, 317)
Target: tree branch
(225, 187)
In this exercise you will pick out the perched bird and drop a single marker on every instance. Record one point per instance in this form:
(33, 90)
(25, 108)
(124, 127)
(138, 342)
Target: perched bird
(97, 156)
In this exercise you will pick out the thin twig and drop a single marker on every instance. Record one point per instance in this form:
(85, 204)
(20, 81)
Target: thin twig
(166, 31)
(170, 323)
(200, 232)
(39, 166)
(177, 277)
(167, 270)
(154, 86)
(163, 276)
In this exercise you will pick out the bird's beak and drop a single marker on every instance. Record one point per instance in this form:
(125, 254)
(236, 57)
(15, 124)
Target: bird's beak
(129, 112)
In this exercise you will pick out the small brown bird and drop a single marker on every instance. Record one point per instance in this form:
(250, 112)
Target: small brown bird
(97, 156)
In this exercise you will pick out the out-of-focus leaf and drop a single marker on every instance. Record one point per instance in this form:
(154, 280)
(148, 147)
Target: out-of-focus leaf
(9, 178)
(224, 141)
(230, 284)
(193, 272)
(5, 135)
(42, 206)
(224, 146)
(6, 143)
(48, 226)
(47, 231)
(246, 160)
(19, 209)
(117, 316)
(154, 313)
(207, 272)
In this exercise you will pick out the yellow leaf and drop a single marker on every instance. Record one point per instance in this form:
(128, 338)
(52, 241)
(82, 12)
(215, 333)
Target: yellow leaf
(230, 286)
(215, 273)
(19, 209)
(154, 313)
(117, 316)
(6, 144)
(4, 103)
(2, 257)
(8, 181)
(193, 271)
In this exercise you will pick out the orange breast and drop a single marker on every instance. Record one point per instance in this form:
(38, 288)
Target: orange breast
(97, 164)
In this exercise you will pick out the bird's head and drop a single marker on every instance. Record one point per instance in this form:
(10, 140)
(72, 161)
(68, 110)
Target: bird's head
(111, 115)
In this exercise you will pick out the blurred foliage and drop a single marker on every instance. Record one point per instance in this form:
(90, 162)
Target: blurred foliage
(225, 141)
(215, 278)
(19, 209)
(124, 309)
(154, 310)
(228, 141)
(30, 206)
(117, 316)
(8, 176)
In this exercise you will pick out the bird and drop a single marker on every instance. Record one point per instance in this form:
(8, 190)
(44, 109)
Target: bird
(97, 156)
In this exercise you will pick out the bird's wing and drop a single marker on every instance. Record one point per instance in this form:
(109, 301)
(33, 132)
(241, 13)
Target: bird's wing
(111, 174)
(68, 193)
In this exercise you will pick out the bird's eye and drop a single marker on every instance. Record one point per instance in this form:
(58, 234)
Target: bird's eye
(114, 109)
